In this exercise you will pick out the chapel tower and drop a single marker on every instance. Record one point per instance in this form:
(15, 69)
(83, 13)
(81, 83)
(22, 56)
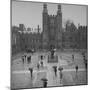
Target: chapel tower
(52, 29)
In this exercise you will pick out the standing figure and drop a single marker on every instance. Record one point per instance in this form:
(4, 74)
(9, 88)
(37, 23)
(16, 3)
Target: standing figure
(72, 57)
(85, 61)
(29, 59)
(23, 59)
(84, 57)
(38, 66)
(31, 71)
(52, 53)
(55, 70)
(86, 64)
(41, 57)
(41, 63)
(76, 67)
(44, 82)
(61, 74)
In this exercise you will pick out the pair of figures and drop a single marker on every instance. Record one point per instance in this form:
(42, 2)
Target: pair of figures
(24, 58)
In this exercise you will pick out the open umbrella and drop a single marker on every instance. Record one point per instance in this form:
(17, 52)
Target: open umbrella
(60, 68)
(44, 79)
(44, 82)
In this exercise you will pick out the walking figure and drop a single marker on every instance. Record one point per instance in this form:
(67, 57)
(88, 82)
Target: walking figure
(76, 67)
(84, 59)
(41, 63)
(85, 64)
(31, 71)
(38, 66)
(41, 57)
(55, 70)
(44, 82)
(29, 59)
(23, 59)
(72, 57)
(61, 74)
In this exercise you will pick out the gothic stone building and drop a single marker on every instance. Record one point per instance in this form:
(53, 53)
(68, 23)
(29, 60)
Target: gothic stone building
(52, 29)
(52, 35)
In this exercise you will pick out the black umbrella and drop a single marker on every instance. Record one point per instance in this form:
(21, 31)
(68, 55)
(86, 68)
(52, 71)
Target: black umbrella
(54, 66)
(60, 68)
(44, 82)
(44, 79)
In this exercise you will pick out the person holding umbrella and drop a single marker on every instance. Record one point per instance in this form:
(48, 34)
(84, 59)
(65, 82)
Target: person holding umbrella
(31, 71)
(61, 74)
(86, 65)
(41, 57)
(44, 82)
(29, 59)
(55, 70)
(76, 67)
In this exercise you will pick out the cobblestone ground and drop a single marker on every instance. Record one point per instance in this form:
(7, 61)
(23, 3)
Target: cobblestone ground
(21, 76)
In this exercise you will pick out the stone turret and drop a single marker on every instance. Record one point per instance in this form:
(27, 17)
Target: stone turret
(59, 27)
(38, 29)
(45, 26)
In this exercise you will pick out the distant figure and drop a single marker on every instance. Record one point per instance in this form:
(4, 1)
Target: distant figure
(31, 71)
(52, 53)
(85, 62)
(61, 74)
(41, 57)
(23, 59)
(55, 70)
(41, 63)
(83, 53)
(29, 59)
(72, 57)
(76, 67)
(86, 66)
(45, 84)
(38, 66)
(84, 58)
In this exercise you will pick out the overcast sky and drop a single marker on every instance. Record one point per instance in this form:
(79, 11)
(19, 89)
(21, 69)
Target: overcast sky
(30, 13)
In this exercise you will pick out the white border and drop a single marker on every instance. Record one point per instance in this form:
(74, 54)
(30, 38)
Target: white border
(5, 43)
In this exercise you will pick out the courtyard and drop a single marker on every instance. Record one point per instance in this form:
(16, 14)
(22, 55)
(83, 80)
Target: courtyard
(21, 75)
